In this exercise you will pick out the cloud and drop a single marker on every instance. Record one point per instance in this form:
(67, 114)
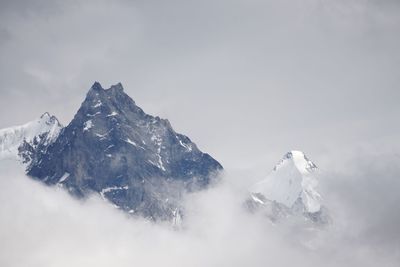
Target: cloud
(44, 226)
(367, 194)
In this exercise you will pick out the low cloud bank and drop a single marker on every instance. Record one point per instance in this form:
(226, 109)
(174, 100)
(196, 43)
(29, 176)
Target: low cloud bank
(43, 226)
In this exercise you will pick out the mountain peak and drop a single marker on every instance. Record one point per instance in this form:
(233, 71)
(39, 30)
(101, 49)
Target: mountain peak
(43, 129)
(45, 115)
(97, 86)
(300, 160)
(294, 153)
(97, 92)
(117, 87)
(49, 119)
(114, 148)
(107, 107)
(293, 180)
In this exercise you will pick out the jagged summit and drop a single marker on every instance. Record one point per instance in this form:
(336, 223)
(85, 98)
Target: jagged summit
(114, 148)
(98, 87)
(117, 87)
(45, 129)
(300, 160)
(111, 102)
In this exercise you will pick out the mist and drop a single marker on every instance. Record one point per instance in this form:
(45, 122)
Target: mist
(44, 226)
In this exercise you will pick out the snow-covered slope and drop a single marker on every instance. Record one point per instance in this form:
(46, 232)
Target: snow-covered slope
(12, 138)
(293, 179)
(290, 190)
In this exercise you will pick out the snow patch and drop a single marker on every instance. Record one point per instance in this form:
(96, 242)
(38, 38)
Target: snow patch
(158, 141)
(87, 125)
(188, 147)
(92, 115)
(103, 136)
(110, 146)
(256, 199)
(129, 141)
(160, 163)
(112, 114)
(98, 104)
(112, 188)
(64, 177)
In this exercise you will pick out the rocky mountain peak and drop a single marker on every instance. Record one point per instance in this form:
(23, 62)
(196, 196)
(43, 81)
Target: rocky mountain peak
(114, 148)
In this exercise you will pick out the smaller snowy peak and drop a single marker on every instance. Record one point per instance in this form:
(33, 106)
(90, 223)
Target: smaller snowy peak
(45, 116)
(293, 181)
(300, 160)
(47, 127)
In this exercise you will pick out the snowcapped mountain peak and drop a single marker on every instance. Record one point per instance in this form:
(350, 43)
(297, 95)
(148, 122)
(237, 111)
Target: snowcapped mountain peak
(293, 181)
(13, 137)
(45, 115)
(300, 160)
(50, 120)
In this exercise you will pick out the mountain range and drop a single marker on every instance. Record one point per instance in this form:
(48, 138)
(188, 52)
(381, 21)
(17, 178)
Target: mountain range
(138, 163)
(112, 147)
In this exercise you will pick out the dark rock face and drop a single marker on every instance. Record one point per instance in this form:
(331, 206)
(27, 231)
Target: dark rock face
(135, 160)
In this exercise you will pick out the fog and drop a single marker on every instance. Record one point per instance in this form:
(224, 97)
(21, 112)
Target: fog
(44, 226)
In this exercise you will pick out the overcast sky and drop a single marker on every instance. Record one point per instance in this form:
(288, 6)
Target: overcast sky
(246, 80)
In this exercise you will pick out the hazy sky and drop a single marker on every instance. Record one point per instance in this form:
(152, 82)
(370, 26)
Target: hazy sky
(246, 80)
